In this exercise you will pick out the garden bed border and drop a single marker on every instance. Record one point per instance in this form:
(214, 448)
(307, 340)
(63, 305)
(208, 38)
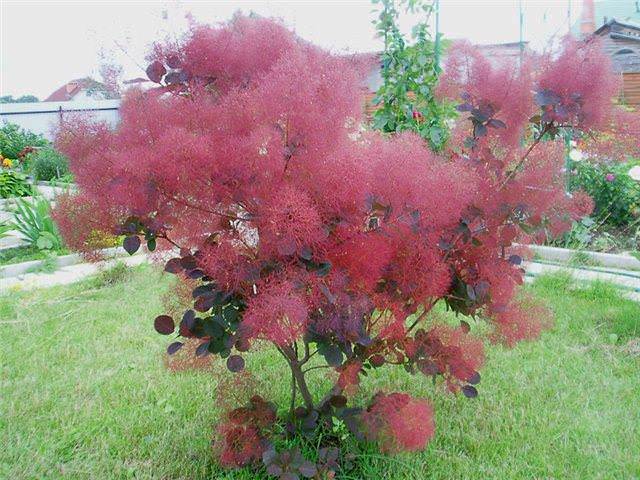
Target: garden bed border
(565, 255)
(16, 269)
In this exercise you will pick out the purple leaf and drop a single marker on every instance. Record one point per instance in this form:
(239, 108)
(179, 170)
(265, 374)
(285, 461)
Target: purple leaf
(308, 469)
(174, 347)
(480, 130)
(203, 349)
(495, 123)
(235, 363)
(156, 71)
(546, 97)
(164, 324)
(515, 259)
(470, 391)
(475, 378)
(131, 244)
(173, 77)
(173, 266)
(188, 262)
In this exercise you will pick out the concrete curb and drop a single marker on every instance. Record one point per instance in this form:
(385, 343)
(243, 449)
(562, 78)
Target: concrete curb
(564, 255)
(629, 285)
(45, 189)
(64, 276)
(17, 269)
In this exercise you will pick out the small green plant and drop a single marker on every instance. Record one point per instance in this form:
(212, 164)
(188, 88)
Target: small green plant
(65, 178)
(25, 253)
(48, 164)
(14, 184)
(14, 139)
(589, 234)
(33, 220)
(583, 259)
(112, 275)
(47, 265)
(5, 228)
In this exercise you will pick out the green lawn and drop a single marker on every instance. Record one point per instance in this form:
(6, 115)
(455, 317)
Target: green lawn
(84, 394)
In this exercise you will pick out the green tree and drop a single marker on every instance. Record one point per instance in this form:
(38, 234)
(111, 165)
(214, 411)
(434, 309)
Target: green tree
(410, 73)
(22, 99)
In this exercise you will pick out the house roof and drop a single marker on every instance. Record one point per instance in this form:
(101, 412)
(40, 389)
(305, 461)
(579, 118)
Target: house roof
(70, 89)
(613, 23)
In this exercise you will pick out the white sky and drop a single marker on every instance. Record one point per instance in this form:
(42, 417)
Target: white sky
(44, 44)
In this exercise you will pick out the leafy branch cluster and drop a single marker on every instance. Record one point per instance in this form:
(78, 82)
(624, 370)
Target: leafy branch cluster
(410, 68)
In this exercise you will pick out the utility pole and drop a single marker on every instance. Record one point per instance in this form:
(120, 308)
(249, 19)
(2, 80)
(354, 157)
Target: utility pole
(521, 15)
(436, 47)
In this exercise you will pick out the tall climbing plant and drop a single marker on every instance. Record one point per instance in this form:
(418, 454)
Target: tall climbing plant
(410, 70)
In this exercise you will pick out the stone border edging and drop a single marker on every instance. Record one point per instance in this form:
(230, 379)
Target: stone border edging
(564, 255)
(16, 269)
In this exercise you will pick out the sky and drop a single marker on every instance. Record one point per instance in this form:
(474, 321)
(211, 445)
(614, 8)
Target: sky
(44, 44)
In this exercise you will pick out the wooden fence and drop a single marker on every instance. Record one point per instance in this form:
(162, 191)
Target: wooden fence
(631, 88)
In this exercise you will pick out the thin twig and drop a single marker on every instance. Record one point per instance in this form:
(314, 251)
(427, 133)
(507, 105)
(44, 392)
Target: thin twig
(524, 158)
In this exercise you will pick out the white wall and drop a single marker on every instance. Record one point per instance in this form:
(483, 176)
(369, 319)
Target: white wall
(43, 117)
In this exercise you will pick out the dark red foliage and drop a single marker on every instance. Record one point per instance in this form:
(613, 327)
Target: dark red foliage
(447, 351)
(293, 225)
(349, 377)
(241, 438)
(501, 88)
(238, 445)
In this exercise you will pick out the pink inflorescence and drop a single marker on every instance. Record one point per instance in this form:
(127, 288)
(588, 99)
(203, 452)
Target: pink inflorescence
(399, 422)
(578, 84)
(276, 313)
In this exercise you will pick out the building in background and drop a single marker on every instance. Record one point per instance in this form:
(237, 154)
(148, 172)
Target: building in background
(82, 89)
(617, 22)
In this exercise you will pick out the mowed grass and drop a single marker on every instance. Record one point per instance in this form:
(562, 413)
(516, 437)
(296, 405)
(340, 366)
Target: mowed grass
(84, 394)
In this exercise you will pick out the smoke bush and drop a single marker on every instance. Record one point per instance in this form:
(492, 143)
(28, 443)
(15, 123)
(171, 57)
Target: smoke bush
(246, 166)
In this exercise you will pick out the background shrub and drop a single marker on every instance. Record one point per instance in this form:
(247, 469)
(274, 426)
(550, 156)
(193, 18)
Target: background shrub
(14, 139)
(13, 184)
(48, 164)
(615, 194)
